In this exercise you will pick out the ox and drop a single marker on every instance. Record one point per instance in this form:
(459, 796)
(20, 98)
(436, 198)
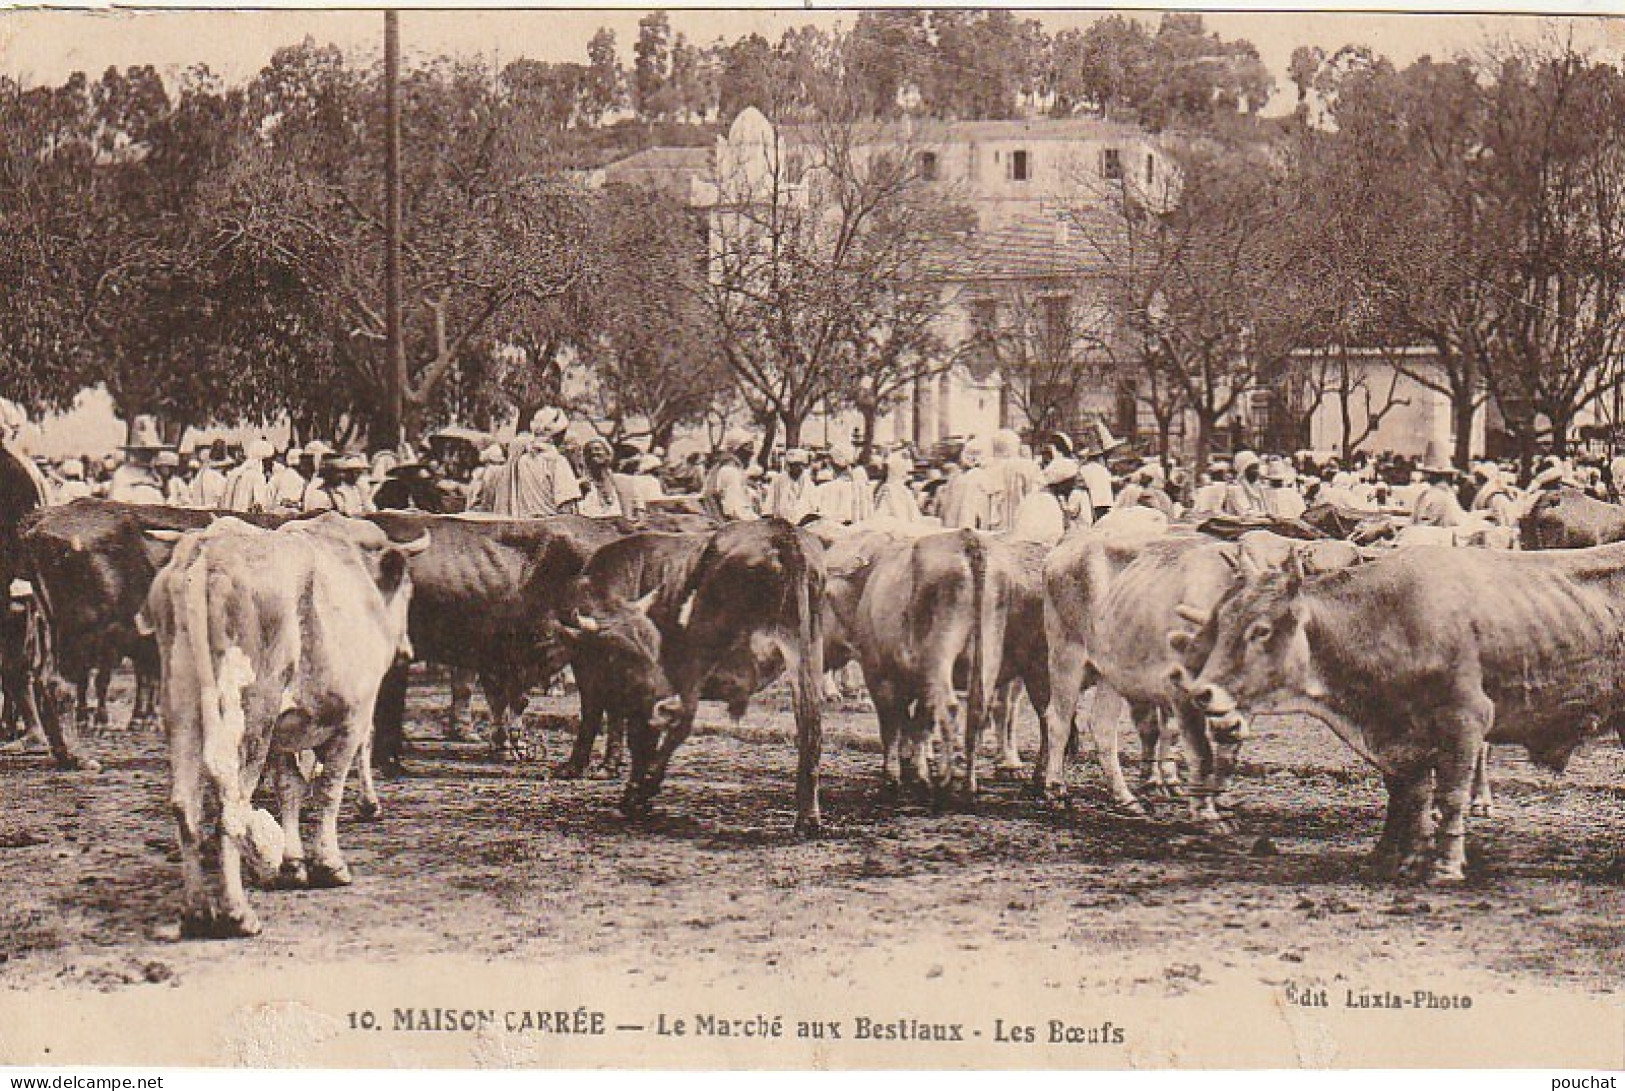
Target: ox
(1567, 518)
(742, 606)
(484, 597)
(272, 642)
(1416, 667)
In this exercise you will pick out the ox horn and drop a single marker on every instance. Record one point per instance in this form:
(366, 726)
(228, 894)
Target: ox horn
(156, 534)
(1247, 565)
(1196, 617)
(642, 605)
(587, 623)
(415, 546)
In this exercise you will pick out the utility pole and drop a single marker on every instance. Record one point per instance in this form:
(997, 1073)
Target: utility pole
(395, 369)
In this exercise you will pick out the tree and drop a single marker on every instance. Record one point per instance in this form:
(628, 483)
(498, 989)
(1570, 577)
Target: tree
(883, 56)
(1220, 289)
(491, 239)
(1552, 181)
(604, 91)
(815, 232)
(1106, 65)
(646, 345)
(651, 68)
(1053, 343)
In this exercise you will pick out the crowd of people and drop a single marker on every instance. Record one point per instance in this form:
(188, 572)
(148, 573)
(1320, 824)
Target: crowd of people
(1000, 484)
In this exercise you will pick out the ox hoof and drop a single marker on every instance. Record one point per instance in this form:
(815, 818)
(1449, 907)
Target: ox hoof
(604, 772)
(1445, 875)
(211, 925)
(369, 810)
(809, 827)
(323, 877)
(1008, 771)
(389, 768)
(1482, 810)
(1129, 808)
(293, 875)
(1056, 797)
(636, 808)
(81, 764)
(571, 770)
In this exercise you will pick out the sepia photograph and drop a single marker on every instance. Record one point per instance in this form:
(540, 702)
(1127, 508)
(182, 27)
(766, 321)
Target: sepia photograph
(812, 539)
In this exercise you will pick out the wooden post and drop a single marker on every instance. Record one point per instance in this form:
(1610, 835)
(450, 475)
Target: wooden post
(395, 344)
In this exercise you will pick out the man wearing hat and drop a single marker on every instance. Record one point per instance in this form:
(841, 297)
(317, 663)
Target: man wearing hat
(248, 487)
(1493, 499)
(287, 483)
(894, 497)
(640, 485)
(490, 459)
(537, 479)
(846, 496)
(1042, 515)
(725, 493)
(1281, 489)
(963, 503)
(209, 486)
(1245, 497)
(167, 465)
(790, 495)
(1094, 475)
(1145, 489)
(1438, 506)
(1012, 476)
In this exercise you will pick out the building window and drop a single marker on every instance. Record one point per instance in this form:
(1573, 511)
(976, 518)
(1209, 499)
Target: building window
(1111, 164)
(928, 166)
(1057, 310)
(1020, 166)
(1150, 168)
(1127, 409)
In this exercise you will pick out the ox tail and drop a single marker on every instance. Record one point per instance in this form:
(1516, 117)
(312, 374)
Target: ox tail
(223, 723)
(984, 631)
(807, 588)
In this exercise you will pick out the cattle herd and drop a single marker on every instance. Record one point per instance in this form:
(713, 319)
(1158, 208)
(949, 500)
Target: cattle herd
(280, 650)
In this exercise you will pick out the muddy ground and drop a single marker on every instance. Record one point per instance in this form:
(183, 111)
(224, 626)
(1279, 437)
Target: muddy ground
(491, 862)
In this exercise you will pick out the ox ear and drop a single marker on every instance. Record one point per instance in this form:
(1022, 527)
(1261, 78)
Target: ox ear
(158, 545)
(157, 533)
(1246, 565)
(643, 604)
(415, 546)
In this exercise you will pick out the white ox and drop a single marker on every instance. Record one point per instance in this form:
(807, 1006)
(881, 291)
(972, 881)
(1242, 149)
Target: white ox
(272, 642)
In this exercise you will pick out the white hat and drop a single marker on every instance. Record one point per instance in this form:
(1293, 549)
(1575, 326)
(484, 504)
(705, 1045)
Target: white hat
(1152, 471)
(1060, 470)
(12, 416)
(167, 458)
(295, 453)
(797, 454)
(261, 448)
(549, 421)
(841, 454)
(317, 449)
(73, 468)
(1006, 443)
(493, 455)
(1242, 461)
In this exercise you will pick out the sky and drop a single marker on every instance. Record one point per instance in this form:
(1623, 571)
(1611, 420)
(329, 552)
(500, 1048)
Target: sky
(45, 46)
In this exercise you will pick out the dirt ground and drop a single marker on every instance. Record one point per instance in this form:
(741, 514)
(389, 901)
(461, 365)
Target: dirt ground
(495, 862)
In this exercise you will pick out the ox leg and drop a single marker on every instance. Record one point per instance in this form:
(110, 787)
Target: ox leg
(1459, 737)
(389, 715)
(368, 808)
(941, 706)
(1105, 717)
(614, 746)
(1068, 673)
(457, 712)
(590, 688)
(641, 737)
(327, 866)
(104, 681)
(186, 803)
(509, 740)
(1009, 762)
(45, 706)
(290, 789)
(1483, 799)
(1408, 822)
(892, 712)
(809, 736)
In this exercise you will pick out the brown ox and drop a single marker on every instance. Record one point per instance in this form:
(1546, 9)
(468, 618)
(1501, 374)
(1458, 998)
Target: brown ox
(1569, 519)
(1416, 664)
(271, 643)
